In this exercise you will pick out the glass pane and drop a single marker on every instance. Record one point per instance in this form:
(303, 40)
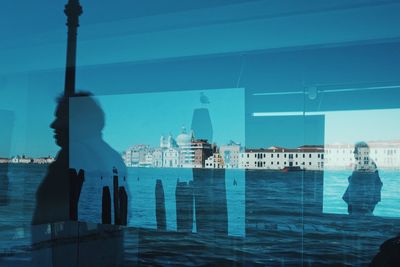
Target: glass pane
(223, 132)
(356, 92)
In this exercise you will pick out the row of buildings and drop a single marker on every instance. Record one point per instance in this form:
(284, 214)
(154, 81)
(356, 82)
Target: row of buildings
(187, 152)
(27, 160)
(385, 154)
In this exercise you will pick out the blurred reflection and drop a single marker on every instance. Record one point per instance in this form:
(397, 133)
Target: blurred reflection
(83, 149)
(209, 184)
(103, 166)
(364, 190)
(52, 195)
(184, 206)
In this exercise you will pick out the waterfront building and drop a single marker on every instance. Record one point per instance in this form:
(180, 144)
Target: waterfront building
(277, 158)
(44, 160)
(230, 154)
(186, 151)
(135, 155)
(167, 142)
(5, 160)
(339, 156)
(385, 154)
(171, 157)
(21, 159)
(202, 150)
(215, 161)
(148, 160)
(157, 159)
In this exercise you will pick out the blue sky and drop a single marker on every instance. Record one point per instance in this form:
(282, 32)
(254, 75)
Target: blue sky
(143, 118)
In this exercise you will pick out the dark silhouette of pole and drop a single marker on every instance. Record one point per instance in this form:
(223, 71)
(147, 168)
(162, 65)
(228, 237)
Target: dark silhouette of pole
(73, 10)
(160, 206)
(106, 206)
(75, 187)
(184, 206)
(123, 206)
(117, 216)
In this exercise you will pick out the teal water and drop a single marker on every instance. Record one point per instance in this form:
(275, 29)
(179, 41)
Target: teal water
(336, 182)
(275, 222)
(19, 192)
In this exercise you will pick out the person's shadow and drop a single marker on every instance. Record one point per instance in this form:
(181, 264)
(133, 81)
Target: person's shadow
(64, 195)
(364, 190)
(208, 184)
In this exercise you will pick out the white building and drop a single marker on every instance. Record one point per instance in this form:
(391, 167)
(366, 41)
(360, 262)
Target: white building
(171, 158)
(277, 158)
(135, 155)
(157, 158)
(214, 162)
(45, 160)
(5, 160)
(148, 160)
(385, 154)
(186, 149)
(21, 159)
(339, 156)
(167, 142)
(230, 155)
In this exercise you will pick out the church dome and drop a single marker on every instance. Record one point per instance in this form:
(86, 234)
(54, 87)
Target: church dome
(184, 138)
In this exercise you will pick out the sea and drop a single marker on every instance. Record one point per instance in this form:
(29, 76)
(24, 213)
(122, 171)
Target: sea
(239, 217)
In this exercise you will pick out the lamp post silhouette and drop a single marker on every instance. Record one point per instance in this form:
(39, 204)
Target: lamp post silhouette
(72, 10)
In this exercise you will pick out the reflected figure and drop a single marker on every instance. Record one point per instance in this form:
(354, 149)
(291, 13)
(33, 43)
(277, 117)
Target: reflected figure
(82, 148)
(103, 166)
(52, 195)
(364, 190)
(208, 184)
(84, 154)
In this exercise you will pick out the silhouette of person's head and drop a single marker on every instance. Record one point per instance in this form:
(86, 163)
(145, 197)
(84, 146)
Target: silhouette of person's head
(362, 157)
(361, 149)
(83, 112)
(60, 123)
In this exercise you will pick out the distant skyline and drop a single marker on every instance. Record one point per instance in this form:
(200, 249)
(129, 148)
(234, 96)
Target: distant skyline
(131, 119)
(144, 118)
(291, 129)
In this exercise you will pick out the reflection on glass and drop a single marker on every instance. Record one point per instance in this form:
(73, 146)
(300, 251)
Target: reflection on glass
(182, 164)
(364, 190)
(184, 206)
(353, 170)
(52, 195)
(209, 184)
(103, 166)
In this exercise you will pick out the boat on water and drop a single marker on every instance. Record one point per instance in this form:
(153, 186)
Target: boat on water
(292, 169)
